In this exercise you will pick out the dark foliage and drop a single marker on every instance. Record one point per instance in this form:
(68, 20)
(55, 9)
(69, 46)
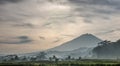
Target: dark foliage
(107, 49)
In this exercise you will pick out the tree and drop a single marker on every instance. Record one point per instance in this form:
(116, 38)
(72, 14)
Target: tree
(50, 58)
(24, 58)
(79, 58)
(16, 57)
(103, 43)
(33, 59)
(41, 56)
(55, 58)
(68, 58)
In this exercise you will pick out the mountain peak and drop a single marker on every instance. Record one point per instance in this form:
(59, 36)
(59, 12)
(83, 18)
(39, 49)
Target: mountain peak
(85, 40)
(87, 34)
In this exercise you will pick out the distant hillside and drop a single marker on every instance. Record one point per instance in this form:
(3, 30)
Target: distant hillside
(81, 52)
(107, 49)
(85, 40)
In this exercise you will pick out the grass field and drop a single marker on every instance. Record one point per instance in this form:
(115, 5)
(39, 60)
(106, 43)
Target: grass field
(65, 63)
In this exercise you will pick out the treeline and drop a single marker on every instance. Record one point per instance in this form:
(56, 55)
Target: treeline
(16, 58)
(107, 50)
(41, 57)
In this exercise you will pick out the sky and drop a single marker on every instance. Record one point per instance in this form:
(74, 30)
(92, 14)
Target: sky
(35, 25)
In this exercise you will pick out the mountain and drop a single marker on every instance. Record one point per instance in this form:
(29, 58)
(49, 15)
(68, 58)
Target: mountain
(85, 40)
(83, 52)
(107, 50)
(81, 46)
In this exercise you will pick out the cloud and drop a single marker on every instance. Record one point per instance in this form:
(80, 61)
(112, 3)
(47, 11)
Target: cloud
(96, 2)
(15, 40)
(57, 40)
(24, 25)
(87, 21)
(9, 1)
(22, 21)
(95, 8)
(43, 38)
(105, 32)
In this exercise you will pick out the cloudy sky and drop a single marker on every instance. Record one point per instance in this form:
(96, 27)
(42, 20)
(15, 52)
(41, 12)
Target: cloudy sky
(34, 25)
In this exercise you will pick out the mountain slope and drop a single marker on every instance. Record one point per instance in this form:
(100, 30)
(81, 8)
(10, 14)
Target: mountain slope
(83, 52)
(85, 40)
(107, 50)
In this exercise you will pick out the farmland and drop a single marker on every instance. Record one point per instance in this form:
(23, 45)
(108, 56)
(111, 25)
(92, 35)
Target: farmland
(85, 62)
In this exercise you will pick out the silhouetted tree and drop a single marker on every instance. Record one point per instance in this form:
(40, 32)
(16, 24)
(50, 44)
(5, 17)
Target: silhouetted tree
(16, 57)
(50, 58)
(68, 58)
(33, 59)
(41, 56)
(106, 42)
(55, 58)
(79, 58)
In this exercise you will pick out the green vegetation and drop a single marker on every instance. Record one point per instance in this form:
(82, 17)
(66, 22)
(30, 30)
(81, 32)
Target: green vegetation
(85, 62)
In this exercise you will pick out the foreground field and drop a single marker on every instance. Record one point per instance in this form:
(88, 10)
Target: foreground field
(65, 63)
